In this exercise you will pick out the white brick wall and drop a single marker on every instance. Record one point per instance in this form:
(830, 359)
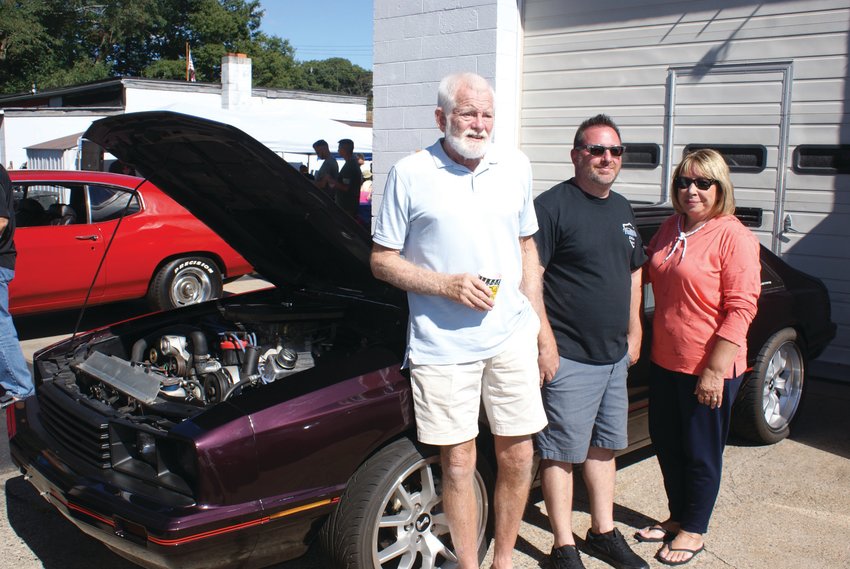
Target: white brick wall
(417, 43)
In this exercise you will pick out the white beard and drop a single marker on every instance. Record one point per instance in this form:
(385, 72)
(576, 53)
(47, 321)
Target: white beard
(469, 148)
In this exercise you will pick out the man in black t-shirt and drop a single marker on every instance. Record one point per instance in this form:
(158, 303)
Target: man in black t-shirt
(347, 185)
(329, 170)
(15, 378)
(591, 254)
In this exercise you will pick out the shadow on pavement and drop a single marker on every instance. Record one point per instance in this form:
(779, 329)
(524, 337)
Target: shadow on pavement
(58, 544)
(53, 539)
(823, 421)
(581, 503)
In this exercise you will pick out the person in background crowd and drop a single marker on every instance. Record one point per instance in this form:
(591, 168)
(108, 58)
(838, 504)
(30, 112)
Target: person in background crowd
(347, 185)
(706, 277)
(365, 169)
(119, 167)
(590, 251)
(306, 172)
(365, 213)
(329, 169)
(15, 378)
(451, 211)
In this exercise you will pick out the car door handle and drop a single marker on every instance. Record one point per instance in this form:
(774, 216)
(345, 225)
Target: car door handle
(86, 237)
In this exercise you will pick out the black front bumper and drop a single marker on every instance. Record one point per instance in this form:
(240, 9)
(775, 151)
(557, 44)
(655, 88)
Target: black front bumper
(152, 526)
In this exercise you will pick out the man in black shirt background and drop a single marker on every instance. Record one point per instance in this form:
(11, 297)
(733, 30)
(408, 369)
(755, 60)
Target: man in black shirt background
(347, 185)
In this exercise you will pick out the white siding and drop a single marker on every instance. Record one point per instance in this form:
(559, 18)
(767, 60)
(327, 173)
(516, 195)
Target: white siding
(52, 159)
(582, 58)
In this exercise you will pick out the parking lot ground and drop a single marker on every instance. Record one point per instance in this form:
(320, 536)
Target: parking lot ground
(785, 506)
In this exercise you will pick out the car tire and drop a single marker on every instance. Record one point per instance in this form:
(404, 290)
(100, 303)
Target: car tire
(771, 396)
(390, 514)
(184, 281)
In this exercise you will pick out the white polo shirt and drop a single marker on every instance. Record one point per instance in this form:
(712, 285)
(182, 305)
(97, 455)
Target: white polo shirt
(445, 218)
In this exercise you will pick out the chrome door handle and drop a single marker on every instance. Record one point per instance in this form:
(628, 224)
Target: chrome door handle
(86, 237)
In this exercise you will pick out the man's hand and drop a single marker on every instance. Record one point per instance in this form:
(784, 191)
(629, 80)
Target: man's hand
(634, 343)
(547, 360)
(467, 289)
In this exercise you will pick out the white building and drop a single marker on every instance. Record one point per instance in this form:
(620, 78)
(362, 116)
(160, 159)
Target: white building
(286, 121)
(766, 81)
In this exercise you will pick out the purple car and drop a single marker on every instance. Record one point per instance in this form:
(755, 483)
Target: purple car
(240, 431)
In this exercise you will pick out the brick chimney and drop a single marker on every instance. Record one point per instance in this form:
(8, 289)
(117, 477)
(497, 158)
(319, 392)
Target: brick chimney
(235, 81)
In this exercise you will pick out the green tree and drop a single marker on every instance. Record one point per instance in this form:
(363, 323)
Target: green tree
(24, 36)
(53, 43)
(273, 64)
(337, 75)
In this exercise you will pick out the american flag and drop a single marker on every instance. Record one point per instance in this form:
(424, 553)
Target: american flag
(190, 65)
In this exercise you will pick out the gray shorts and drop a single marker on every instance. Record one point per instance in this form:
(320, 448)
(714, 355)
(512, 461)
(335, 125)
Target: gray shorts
(587, 405)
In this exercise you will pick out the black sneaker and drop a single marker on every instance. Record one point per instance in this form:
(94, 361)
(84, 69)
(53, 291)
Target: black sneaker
(565, 557)
(612, 548)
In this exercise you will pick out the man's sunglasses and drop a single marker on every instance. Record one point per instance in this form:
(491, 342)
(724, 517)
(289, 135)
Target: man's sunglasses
(683, 182)
(599, 150)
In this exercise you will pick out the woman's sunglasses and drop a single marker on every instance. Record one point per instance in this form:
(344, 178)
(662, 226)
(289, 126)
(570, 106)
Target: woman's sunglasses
(599, 150)
(683, 182)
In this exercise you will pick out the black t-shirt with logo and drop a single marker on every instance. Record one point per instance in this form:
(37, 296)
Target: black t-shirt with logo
(7, 210)
(589, 247)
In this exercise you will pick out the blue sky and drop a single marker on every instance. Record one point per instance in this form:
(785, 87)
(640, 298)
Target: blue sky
(320, 29)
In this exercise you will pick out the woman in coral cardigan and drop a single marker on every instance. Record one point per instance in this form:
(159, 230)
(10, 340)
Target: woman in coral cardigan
(705, 274)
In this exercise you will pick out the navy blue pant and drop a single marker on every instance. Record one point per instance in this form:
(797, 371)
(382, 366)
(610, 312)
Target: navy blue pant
(689, 439)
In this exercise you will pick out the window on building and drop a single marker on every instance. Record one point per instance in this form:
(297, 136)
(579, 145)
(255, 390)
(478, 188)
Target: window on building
(822, 159)
(641, 155)
(739, 157)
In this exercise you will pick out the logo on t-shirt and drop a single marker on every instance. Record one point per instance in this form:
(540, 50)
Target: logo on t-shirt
(630, 232)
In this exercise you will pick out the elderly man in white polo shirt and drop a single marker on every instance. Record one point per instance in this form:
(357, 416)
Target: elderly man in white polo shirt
(451, 213)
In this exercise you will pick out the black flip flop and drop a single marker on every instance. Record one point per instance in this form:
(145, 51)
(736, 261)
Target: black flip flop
(668, 535)
(693, 552)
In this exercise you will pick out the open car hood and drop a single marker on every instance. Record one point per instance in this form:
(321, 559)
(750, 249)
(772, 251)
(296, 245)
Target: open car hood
(290, 231)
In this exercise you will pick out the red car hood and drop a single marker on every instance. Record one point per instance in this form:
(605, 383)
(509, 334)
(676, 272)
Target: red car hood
(289, 230)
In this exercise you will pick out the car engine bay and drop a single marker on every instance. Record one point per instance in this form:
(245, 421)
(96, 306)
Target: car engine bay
(170, 371)
(185, 368)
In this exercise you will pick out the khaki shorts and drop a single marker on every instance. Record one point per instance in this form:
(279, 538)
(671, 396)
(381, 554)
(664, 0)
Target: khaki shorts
(447, 398)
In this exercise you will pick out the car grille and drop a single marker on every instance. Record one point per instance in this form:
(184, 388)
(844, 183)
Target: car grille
(81, 431)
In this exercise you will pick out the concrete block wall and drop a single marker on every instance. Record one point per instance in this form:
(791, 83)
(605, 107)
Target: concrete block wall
(416, 43)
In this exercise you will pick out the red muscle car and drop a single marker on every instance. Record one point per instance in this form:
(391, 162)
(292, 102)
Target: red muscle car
(66, 221)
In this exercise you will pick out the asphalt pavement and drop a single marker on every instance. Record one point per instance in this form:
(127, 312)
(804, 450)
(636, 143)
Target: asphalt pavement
(785, 506)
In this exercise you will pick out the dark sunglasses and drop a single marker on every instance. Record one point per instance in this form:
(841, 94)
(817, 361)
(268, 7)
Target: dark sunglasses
(599, 150)
(683, 182)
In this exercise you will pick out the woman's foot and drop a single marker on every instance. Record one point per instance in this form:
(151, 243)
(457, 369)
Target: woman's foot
(684, 547)
(662, 531)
